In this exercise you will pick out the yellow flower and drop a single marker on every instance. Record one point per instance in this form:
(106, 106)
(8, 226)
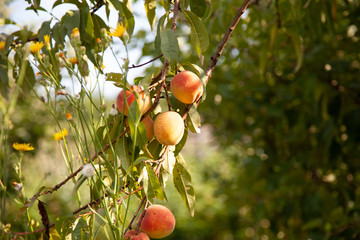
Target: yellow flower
(61, 134)
(47, 39)
(75, 33)
(36, 47)
(2, 45)
(118, 32)
(47, 42)
(22, 147)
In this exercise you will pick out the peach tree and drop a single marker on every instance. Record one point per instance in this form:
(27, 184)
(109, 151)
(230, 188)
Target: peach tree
(126, 151)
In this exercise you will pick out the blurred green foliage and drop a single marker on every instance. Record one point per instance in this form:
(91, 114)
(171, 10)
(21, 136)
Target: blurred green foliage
(284, 103)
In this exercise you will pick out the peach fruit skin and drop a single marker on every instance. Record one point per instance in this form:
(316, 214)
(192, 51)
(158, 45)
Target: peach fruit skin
(143, 101)
(186, 87)
(149, 126)
(158, 222)
(140, 236)
(168, 128)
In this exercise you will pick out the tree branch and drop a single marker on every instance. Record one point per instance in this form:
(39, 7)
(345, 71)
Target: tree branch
(225, 39)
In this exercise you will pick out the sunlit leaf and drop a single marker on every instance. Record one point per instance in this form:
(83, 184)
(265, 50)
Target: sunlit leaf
(150, 7)
(169, 44)
(152, 185)
(182, 181)
(199, 34)
(193, 120)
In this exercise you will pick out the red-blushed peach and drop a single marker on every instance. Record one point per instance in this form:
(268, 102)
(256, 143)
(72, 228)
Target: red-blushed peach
(186, 87)
(143, 100)
(149, 126)
(158, 221)
(131, 235)
(169, 128)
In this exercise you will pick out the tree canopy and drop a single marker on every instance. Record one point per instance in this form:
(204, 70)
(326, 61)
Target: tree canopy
(282, 102)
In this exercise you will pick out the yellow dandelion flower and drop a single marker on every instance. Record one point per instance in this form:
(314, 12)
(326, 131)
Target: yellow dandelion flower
(74, 60)
(36, 47)
(47, 39)
(118, 32)
(61, 134)
(75, 33)
(47, 42)
(2, 45)
(22, 147)
(68, 116)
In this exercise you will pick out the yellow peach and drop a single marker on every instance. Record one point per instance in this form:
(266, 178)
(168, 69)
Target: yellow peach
(169, 128)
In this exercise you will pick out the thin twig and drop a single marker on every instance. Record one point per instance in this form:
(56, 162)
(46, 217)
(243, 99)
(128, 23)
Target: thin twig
(141, 216)
(136, 213)
(278, 17)
(152, 60)
(225, 39)
(97, 6)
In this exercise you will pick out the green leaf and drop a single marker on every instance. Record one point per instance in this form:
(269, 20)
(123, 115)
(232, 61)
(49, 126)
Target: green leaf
(198, 7)
(150, 6)
(79, 232)
(160, 27)
(64, 225)
(70, 21)
(152, 185)
(4, 80)
(86, 25)
(141, 159)
(169, 44)
(4, 21)
(182, 182)
(182, 143)
(58, 34)
(117, 78)
(29, 78)
(122, 152)
(137, 127)
(44, 30)
(193, 120)
(184, 4)
(199, 34)
(98, 25)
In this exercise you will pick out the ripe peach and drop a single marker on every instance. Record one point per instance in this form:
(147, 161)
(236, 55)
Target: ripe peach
(131, 235)
(186, 87)
(169, 128)
(149, 126)
(158, 221)
(143, 101)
